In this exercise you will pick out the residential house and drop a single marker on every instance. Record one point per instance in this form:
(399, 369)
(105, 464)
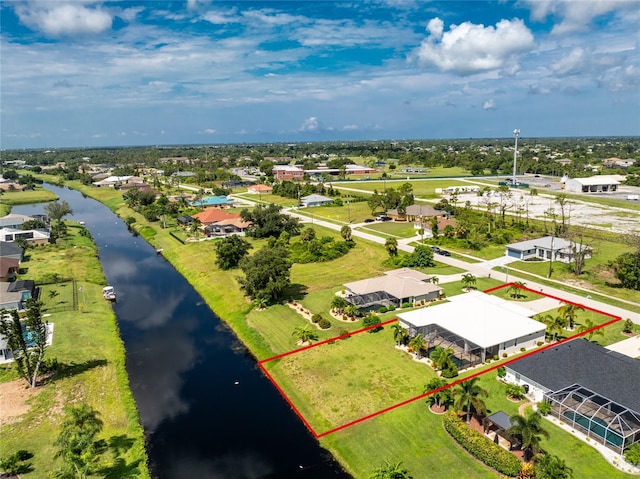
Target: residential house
(591, 389)
(417, 213)
(8, 268)
(230, 226)
(11, 250)
(14, 295)
(33, 236)
(476, 326)
(315, 200)
(214, 215)
(547, 248)
(259, 189)
(395, 287)
(184, 220)
(14, 221)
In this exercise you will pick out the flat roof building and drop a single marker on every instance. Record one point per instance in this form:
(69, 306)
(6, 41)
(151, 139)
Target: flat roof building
(476, 325)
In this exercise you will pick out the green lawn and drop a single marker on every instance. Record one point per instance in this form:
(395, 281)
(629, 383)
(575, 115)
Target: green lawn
(342, 381)
(392, 228)
(37, 195)
(94, 373)
(423, 188)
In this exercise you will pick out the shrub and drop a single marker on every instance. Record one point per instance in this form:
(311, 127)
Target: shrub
(324, 323)
(316, 318)
(391, 307)
(544, 408)
(504, 355)
(480, 447)
(628, 326)
(382, 310)
(522, 350)
(371, 320)
(407, 305)
(450, 371)
(495, 357)
(632, 454)
(539, 343)
(515, 391)
(502, 371)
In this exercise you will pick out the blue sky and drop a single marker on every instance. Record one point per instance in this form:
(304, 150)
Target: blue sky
(87, 73)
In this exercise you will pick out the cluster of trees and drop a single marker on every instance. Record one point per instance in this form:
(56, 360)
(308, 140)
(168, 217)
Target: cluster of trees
(392, 198)
(267, 221)
(296, 190)
(312, 249)
(422, 256)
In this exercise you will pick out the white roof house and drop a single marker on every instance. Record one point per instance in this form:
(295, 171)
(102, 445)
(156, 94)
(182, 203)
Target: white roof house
(476, 325)
(546, 248)
(315, 200)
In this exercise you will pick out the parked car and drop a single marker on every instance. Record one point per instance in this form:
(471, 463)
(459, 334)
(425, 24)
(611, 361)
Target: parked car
(435, 249)
(444, 252)
(369, 220)
(385, 218)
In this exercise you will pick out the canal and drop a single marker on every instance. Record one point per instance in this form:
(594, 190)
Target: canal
(207, 410)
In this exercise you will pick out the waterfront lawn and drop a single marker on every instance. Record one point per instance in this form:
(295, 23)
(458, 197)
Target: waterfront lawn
(345, 380)
(37, 195)
(87, 346)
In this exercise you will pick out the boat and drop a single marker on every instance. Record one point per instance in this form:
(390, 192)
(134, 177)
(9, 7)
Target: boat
(109, 293)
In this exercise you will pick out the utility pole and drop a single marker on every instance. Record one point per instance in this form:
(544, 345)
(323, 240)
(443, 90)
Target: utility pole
(516, 133)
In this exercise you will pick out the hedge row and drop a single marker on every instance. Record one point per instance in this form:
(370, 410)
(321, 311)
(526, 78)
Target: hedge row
(481, 447)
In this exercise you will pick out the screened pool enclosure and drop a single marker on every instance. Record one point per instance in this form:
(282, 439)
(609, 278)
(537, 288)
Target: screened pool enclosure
(601, 419)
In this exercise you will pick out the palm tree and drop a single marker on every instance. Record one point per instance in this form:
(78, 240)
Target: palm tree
(345, 232)
(529, 431)
(555, 325)
(351, 311)
(390, 471)
(392, 246)
(261, 303)
(467, 398)
(549, 466)
(586, 326)
(304, 334)
(417, 344)
(440, 398)
(441, 357)
(570, 312)
(195, 227)
(338, 304)
(400, 334)
(515, 289)
(469, 280)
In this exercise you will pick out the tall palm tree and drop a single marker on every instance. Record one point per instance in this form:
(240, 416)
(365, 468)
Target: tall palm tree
(570, 313)
(555, 325)
(304, 334)
(345, 232)
(468, 280)
(529, 431)
(467, 398)
(400, 334)
(417, 344)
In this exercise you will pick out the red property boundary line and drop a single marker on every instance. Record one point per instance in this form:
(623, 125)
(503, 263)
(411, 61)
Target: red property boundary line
(317, 435)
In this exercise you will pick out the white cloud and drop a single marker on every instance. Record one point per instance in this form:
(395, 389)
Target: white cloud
(489, 105)
(221, 17)
(64, 19)
(350, 128)
(576, 15)
(310, 124)
(572, 63)
(469, 48)
(207, 131)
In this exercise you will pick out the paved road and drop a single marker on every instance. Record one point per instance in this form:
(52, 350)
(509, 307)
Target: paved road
(483, 269)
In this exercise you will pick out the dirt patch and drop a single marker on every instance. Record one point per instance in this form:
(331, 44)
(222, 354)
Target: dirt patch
(13, 397)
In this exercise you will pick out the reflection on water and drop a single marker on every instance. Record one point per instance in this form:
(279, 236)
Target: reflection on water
(207, 410)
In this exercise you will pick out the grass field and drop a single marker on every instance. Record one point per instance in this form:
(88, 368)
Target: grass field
(423, 188)
(392, 228)
(37, 195)
(94, 373)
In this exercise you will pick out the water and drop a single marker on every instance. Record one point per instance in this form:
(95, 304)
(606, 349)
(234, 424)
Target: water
(184, 363)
